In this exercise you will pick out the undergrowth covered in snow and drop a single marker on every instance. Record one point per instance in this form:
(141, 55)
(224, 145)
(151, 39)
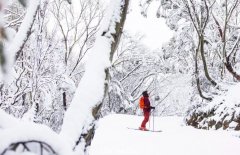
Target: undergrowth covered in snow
(223, 112)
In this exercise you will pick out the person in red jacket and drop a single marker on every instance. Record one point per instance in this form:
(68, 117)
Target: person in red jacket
(146, 110)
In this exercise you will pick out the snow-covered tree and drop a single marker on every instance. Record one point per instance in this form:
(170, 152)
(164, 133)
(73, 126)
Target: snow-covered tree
(38, 74)
(79, 121)
(207, 36)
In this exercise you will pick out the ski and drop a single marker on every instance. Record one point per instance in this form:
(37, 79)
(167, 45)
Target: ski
(144, 130)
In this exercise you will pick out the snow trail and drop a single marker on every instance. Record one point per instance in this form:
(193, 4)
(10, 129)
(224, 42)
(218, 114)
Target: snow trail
(113, 137)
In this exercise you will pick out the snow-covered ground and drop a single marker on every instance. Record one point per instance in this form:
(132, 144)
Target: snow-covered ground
(112, 137)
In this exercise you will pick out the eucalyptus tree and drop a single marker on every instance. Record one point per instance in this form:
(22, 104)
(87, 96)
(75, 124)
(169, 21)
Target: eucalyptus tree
(131, 71)
(81, 116)
(22, 22)
(209, 31)
(93, 87)
(201, 20)
(225, 16)
(78, 25)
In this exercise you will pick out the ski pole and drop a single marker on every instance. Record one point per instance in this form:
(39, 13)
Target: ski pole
(153, 120)
(149, 120)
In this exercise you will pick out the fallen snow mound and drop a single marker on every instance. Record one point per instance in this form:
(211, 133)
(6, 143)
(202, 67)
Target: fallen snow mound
(222, 113)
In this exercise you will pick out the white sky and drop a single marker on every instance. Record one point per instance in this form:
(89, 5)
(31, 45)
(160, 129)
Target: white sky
(155, 30)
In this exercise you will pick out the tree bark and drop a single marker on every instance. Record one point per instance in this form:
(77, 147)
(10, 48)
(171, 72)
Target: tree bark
(116, 38)
(201, 39)
(197, 76)
(231, 70)
(64, 101)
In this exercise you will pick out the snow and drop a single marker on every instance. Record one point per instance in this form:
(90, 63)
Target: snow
(113, 137)
(30, 131)
(13, 130)
(226, 104)
(23, 153)
(91, 87)
(6, 120)
(21, 35)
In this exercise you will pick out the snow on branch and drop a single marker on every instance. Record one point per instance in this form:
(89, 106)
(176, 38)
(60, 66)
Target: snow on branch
(16, 45)
(90, 90)
(25, 28)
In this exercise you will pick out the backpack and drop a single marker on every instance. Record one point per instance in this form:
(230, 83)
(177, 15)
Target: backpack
(141, 103)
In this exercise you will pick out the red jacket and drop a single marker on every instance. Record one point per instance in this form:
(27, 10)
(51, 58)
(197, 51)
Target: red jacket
(147, 106)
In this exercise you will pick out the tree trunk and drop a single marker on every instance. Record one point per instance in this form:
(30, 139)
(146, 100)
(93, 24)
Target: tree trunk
(204, 61)
(84, 108)
(64, 101)
(116, 36)
(197, 77)
(231, 70)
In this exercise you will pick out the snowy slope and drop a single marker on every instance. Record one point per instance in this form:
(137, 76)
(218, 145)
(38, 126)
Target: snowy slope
(113, 138)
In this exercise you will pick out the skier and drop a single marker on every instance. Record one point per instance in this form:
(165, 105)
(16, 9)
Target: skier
(146, 110)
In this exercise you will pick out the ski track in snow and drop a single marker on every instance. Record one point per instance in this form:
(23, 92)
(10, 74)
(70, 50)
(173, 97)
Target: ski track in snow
(113, 138)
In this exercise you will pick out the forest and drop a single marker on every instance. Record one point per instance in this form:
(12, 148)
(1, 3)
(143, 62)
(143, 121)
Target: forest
(66, 64)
